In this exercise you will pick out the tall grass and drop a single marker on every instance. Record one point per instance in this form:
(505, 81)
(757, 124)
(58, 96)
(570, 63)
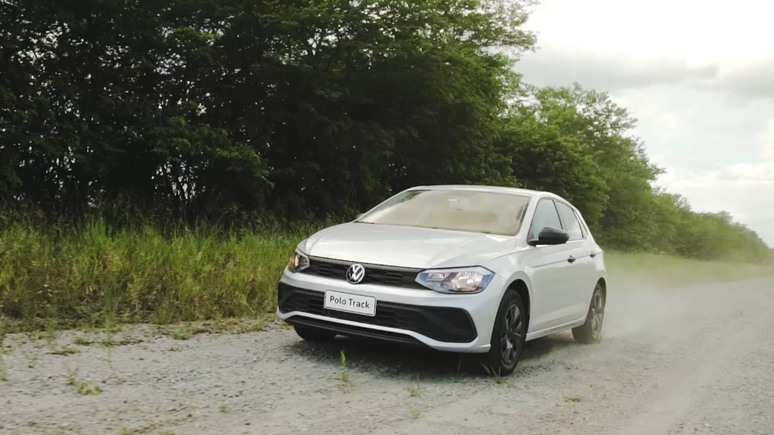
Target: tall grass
(89, 274)
(65, 275)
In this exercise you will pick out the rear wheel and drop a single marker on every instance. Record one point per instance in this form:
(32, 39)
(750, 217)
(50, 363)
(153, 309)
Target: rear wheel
(508, 335)
(309, 333)
(591, 331)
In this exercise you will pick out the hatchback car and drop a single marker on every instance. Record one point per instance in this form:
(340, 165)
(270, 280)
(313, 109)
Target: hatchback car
(472, 269)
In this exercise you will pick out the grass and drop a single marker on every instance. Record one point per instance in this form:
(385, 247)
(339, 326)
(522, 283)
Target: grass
(87, 388)
(58, 275)
(499, 380)
(346, 384)
(81, 341)
(573, 399)
(414, 389)
(64, 351)
(223, 409)
(95, 275)
(415, 414)
(181, 334)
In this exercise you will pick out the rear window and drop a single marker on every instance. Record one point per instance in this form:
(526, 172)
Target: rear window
(459, 210)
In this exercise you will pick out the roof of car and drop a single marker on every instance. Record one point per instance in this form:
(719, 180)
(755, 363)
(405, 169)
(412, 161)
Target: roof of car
(494, 189)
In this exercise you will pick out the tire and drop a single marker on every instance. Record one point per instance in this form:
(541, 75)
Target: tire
(309, 333)
(591, 331)
(508, 336)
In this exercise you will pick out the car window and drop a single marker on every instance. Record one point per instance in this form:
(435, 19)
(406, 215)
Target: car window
(545, 216)
(584, 229)
(460, 210)
(570, 221)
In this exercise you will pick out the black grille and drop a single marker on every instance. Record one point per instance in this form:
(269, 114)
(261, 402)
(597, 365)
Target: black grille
(377, 275)
(450, 325)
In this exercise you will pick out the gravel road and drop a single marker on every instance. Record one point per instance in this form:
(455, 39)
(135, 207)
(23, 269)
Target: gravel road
(696, 360)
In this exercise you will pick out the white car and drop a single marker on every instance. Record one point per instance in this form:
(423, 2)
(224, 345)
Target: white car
(458, 268)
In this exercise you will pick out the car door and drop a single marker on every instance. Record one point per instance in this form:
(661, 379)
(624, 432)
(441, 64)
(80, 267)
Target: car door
(583, 270)
(550, 272)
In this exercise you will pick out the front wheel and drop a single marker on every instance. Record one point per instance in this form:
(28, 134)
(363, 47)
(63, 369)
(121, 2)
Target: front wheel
(591, 331)
(508, 336)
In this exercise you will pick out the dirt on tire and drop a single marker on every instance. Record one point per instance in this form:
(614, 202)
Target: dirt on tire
(695, 360)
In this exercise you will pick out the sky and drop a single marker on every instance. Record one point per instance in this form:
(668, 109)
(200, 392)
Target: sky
(698, 76)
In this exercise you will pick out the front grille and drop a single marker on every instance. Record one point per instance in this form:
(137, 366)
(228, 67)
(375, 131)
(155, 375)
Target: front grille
(374, 274)
(449, 325)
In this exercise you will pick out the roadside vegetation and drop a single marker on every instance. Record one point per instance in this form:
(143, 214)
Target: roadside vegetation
(61, 276)
(91, 276)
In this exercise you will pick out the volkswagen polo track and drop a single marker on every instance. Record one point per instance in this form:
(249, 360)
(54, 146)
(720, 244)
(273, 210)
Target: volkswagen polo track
(471, 269)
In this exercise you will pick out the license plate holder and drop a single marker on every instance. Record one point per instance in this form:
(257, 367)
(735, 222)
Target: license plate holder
(350, 303)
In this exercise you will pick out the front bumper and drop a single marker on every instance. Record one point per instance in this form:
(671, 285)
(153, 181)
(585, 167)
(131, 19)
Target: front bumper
(448, 322)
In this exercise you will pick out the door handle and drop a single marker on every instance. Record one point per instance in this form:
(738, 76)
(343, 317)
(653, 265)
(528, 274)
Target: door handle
(571, 259)
(593, 254)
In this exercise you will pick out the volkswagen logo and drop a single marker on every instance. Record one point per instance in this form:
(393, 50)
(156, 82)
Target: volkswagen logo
(355, 273)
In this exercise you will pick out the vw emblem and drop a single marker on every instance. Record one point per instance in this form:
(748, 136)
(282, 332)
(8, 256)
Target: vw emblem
(355, 273)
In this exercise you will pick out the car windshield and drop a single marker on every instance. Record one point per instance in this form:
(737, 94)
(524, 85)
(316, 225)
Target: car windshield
(459, 210)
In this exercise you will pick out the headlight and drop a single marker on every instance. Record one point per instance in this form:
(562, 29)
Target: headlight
(468, 280)
(298, 262)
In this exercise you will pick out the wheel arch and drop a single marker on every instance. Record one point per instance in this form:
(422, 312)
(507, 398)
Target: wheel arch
(603, 284)
(521, 288)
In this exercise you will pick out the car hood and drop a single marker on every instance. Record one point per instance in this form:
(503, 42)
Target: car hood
(401, 246)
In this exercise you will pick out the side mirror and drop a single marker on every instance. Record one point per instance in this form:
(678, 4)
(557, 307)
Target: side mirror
(550, 236)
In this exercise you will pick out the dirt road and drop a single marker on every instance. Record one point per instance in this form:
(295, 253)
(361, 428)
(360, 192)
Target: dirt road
(685, 361)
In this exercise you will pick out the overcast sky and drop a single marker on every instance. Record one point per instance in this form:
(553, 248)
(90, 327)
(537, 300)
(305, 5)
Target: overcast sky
(699, 77)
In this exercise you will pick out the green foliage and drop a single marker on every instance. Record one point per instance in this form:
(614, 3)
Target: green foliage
(577, 143)
(81, 341)
(197, 106)
(84, 388)
(181, 334)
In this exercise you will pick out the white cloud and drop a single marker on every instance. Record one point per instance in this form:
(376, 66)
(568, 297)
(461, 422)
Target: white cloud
(705, 31)
(762, 172)
(768, 140)
(698, 77)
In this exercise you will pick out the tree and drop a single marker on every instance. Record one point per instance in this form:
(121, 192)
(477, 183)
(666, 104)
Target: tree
(199, 105)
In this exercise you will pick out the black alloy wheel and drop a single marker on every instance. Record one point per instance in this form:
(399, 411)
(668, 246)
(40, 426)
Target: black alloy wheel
(508, 336)
(591, 331)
